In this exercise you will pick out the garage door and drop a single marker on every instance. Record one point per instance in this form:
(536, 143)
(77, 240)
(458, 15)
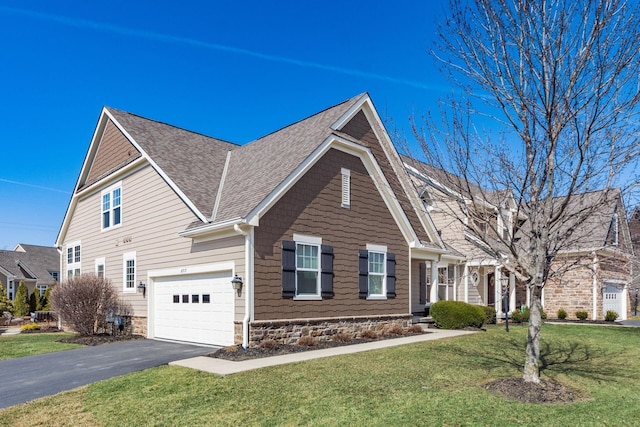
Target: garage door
(612, 300)
(195, 308)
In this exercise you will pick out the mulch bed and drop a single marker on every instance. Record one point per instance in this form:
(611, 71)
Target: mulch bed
(237, 353)
(545, 392)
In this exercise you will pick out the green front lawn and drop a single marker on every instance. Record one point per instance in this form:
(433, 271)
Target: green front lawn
(29, 344)
(431, 383)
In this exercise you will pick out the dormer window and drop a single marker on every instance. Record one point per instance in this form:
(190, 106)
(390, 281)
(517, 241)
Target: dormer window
(427, 200)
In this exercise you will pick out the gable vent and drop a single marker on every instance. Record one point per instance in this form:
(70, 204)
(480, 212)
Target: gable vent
(346, 188)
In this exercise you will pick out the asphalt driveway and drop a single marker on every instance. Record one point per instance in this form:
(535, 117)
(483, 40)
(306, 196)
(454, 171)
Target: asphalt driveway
(28, 378)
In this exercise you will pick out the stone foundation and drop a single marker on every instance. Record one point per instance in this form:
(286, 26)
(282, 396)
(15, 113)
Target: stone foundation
(139, 325)
(290, 331)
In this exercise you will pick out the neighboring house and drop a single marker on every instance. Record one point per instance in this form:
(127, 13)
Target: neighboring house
(594, 267)
(316, 224)
(478, 275)
(36, 266)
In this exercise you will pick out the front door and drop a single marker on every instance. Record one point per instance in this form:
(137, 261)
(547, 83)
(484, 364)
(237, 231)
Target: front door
(491, 289)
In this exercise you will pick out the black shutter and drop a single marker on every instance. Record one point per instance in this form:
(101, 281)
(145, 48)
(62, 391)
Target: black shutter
(423, 283)
(363, 273)
(288, 269)
(326, 276)
(391, 275)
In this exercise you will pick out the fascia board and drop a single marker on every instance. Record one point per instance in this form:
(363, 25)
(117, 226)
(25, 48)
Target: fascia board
(158, 169)
(84, 171)
(370, 164)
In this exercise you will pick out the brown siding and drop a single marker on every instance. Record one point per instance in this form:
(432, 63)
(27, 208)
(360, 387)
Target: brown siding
(313, 207)
(114, 150)
(360, 129)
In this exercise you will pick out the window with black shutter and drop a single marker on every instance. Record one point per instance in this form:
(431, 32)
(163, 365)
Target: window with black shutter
(307, 270)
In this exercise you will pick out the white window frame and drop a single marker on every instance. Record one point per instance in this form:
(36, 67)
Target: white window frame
(42, 289)
(11, 291)
(100, 262)
(74, 253)
(346, 188)
(111, 208)
(129, 256)
(616, 230)
(377, 249)
(314, 242)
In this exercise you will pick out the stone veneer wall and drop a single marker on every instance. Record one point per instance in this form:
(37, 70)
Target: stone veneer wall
(140, 325)
(290, 331)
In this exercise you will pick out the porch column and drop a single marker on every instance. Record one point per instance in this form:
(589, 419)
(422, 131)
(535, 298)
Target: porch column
(497, 288)
(512, 292)
(433, 297)
(466, 283)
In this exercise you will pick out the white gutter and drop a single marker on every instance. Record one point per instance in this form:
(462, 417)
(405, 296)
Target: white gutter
(248, 269)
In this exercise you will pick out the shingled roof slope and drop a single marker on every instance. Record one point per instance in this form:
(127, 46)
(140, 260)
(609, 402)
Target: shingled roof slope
(194, 162)
(255, 170)
(39, 260)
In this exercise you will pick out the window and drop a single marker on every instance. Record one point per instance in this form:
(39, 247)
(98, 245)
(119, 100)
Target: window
(10, 290)
(346, 188)
(112, 207)
(206, 298)
(195, 298)
(176, 299)
(129, 276)
(99, 264)
(307, 268)
(42, 289)
(616, 230)
(73, 260)
(55, 275)
(377, 273)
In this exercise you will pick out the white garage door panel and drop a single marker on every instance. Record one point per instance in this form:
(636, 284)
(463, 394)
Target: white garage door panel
(195, 320)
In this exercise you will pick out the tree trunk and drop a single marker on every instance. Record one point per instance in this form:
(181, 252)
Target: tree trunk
(532, 358)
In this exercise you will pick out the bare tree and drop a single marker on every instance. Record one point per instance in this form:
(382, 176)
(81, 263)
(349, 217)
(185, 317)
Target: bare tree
(559, 79)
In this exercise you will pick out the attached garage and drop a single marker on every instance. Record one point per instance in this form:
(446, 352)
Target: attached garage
(196, 308)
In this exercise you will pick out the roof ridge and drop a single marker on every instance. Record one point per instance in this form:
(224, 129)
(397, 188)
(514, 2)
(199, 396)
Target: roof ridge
(305, 118)
(170, 125)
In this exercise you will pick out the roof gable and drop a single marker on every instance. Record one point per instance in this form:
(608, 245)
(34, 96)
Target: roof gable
(31, 262)
(255, 170)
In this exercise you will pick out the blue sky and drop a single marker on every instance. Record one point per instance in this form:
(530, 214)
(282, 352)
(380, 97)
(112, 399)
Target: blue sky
(231, 70)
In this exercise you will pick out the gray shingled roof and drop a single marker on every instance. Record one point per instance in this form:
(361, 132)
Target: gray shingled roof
(256, 169)
(194, 162)
(37, 260)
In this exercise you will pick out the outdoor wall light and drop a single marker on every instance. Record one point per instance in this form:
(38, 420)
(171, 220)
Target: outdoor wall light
(143, 286)
(236, 282)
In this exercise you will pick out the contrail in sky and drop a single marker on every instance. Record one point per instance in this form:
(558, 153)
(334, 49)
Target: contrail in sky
(83, 23)
(34, 186)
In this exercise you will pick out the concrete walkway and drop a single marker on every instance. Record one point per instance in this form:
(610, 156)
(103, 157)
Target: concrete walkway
(227, 367)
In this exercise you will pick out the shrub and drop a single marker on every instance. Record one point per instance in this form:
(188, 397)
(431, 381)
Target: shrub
(393, 329)
(368, 334)
(562, 314)
(85, 301)
(21, 301)
(457, 315)
(610, 316)
(341, 337)
(582, 314)
(6, 306)
(415, 329)
(489, 315)
(522, 316)
(46, 300)
(269, 344)
(29, 327)
(34, 300)
(307, 341)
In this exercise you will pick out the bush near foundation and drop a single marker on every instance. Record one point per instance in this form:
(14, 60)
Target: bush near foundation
(457, 315)
(21, 301)
(489, 315)
(582, 315)
(611, 316)
(522, 316)
(85, 301)
(562, 314)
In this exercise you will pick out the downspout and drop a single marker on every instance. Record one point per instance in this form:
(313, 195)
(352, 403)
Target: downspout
(248, 244)
(595, 286)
